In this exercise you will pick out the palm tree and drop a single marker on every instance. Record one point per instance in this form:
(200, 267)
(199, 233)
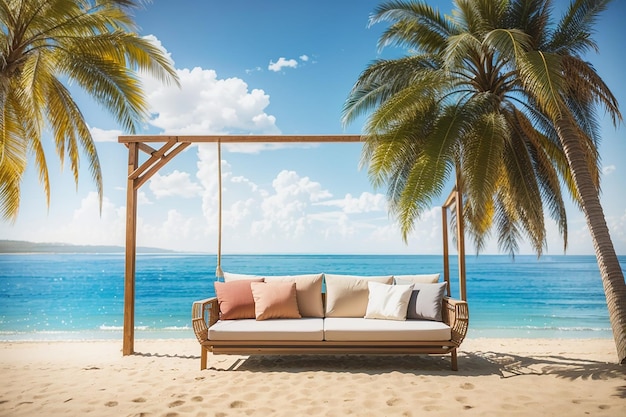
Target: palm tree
(499, 95)
(48, 44)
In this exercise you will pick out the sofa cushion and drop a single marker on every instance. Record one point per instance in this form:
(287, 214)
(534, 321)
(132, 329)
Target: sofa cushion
(305, 329)
(308, 292)
(389, 302)
(417, 279)
(361, 329)
(235, 299)
(229, 276)
(426, 301)
(275, 300)
(347, 295)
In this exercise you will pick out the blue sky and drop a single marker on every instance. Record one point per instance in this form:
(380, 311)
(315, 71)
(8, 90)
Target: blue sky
(279, 67)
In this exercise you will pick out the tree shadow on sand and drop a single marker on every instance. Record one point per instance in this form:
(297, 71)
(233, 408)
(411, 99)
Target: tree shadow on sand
(508, 365)
(504, 365)
(166, 355)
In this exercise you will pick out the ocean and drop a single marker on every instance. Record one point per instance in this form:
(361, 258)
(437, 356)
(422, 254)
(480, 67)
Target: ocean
(81, 296)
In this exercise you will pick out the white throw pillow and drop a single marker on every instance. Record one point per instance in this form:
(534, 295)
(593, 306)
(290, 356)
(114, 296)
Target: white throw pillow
(388, 302)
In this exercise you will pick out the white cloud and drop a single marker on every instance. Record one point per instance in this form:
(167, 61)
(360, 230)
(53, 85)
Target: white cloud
(289, 183)
(142, 198)
(617, 227)
(367, 202)
(243, 180)
(87, 225)
(101, 135)
(156, 42)
(608, 170)
(282, 63)
(206, 104)
(175, 184)
(207, 175)
(304, 58)
(286, 209)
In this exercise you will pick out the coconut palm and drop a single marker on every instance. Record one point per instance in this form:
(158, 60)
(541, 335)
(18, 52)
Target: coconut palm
(45, 46)
(499, 96)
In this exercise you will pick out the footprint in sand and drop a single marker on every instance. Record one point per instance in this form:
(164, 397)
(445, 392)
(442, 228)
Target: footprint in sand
(111, 404)
(393, 401)
(175, 404)
(467, 386)
(197, 399)
(139, 400)
(237, 404)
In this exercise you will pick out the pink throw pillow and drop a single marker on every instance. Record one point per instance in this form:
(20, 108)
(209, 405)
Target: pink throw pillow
(275, 300)
(235, 299)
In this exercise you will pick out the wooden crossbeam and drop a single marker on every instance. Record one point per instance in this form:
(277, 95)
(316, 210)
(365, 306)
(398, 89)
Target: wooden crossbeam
(243, 138)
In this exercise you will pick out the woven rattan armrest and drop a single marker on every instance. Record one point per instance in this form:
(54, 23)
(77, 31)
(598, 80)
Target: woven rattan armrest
(204, 313)
(456, 315)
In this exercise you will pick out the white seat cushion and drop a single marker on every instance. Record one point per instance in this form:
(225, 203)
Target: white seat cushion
(349, 328)
(305, 329)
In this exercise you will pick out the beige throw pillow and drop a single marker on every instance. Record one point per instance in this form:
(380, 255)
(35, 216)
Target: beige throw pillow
(229, 277)
(418, 279)
(308, 292)
(347, 295)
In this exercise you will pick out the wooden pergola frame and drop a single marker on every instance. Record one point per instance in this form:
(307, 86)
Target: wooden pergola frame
(140, 172)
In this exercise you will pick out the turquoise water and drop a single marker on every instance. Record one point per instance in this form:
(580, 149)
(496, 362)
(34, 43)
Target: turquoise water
(81, 296)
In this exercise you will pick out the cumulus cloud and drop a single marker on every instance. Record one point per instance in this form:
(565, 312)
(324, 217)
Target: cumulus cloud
(206, 104)
(101, 135)
(206, 174)
(243, 180)
(286, 208)
(617, 226)
(282, 63)
(304, 58)
(365, 203)
(87, 225)
(176, 184)
(608, 170)
(142, 198)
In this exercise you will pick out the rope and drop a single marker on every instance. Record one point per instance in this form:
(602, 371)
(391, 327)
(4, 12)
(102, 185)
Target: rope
(218, 271)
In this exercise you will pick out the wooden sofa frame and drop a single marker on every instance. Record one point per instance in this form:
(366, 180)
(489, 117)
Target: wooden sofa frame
(205, 313)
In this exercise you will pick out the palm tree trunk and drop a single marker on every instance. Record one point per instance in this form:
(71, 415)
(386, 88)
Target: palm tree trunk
(610, 269)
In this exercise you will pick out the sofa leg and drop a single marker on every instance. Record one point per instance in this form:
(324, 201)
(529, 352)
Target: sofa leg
(203, 357)
(453, 360)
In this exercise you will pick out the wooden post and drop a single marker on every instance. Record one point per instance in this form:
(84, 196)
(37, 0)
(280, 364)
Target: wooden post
(460, 241)
(446, 261)
(131, 250)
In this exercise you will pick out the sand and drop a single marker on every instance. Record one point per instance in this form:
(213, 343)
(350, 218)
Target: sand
(497, 377)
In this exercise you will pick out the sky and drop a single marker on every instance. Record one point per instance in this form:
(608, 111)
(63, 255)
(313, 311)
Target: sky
(275, 67)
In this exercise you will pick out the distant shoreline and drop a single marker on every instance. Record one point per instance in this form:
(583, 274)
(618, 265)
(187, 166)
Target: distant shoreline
(24, 247)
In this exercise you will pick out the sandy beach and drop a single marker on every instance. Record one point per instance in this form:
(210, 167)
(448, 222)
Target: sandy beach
(497, 377)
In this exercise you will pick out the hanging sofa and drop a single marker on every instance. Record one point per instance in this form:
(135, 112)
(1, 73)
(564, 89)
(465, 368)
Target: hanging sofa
(330, 314)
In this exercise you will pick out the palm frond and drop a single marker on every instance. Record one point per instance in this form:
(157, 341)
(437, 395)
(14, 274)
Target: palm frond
(69, 127)
(381, 80)
(573, 32)
(481, 163)
(416, 25)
